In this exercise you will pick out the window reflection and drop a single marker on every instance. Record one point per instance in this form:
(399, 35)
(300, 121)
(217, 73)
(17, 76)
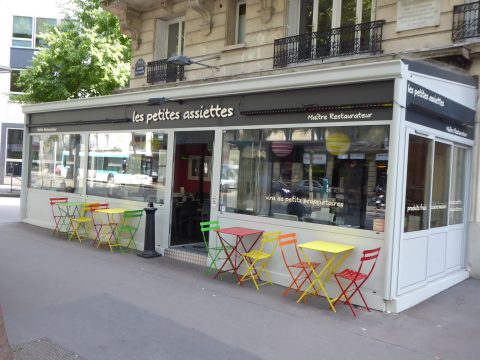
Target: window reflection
(57, 162)
(334, 176)
(127, 166)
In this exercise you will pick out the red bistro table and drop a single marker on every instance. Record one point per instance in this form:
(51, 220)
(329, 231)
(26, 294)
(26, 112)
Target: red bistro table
(232, 250)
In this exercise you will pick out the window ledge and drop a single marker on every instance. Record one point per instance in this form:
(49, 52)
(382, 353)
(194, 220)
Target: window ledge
(235, 47)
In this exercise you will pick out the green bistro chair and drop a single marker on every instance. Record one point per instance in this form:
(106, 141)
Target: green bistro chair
(129, 226)
(213, 251)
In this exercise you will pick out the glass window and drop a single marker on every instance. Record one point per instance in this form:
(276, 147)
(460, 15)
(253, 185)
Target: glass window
(128, 166)
(440, 185)
(457, 195)
(14, 87)
(241, 15)
(14, 143)
(22, 31)
(418, 183)
(334, 176)
(57, 162)
(43, 25)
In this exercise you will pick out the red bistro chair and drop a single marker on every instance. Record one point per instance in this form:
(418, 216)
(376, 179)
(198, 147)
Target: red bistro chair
(299, 270)
(356, 278)
(98, 222)
(59, 217)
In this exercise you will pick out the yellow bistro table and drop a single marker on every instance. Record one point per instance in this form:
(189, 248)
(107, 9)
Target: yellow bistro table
(334, 255)
(107, 231)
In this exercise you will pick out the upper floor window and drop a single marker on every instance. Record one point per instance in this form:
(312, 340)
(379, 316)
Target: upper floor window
(14, 87)
(240, 21)
(169, 38)
(323, 15)
(235, 22)
(26, 31)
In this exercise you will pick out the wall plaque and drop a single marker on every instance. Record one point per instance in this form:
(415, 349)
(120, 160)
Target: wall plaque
(140, 67)
(415, 14)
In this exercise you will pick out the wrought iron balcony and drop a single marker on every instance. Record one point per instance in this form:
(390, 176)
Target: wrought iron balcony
(162, 71)
(466, 21)
(345, 40)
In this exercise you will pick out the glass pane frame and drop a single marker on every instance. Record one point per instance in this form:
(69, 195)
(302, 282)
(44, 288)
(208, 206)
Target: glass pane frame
(128, 165)
(442, 209)
(304, 169)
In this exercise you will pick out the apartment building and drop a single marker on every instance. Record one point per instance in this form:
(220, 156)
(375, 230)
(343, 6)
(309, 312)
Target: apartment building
(351, 121)
(21, 23)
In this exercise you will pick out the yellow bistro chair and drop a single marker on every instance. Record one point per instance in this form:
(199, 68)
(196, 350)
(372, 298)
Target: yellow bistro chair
(257, 260)
(82, 222)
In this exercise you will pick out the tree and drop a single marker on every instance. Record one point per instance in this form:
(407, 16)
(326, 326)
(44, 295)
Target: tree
(86, 55)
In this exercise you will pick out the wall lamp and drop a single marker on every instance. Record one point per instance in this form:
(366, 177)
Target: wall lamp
(161, 101)
(185, 60)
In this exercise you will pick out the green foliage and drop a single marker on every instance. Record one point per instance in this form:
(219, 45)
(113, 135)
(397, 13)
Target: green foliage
(86, 55)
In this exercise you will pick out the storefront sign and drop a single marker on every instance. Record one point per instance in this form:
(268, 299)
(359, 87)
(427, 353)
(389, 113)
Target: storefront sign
(428, 108)
(165, 114)
(46, 129)
(339, 116)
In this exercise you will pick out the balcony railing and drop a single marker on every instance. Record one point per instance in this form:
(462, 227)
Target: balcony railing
(162, 71)
(466, 21)
(345, 40)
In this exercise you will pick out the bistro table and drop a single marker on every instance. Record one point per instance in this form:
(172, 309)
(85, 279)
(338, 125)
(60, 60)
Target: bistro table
(234, 250)
(334, 255)
(109, 234)
(69, 210)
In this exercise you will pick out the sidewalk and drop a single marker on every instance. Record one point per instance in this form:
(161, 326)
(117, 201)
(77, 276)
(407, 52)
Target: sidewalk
(92, 304)
(8, 191)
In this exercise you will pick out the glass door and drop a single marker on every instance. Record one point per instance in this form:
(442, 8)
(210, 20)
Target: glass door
(191, 187)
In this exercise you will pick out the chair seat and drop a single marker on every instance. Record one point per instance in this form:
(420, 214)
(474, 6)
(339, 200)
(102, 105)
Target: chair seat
(82, 219)
(304, 265)
(257, 255)
(351, 274)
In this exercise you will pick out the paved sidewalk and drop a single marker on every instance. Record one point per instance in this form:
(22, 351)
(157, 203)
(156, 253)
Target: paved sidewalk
(9, 191)
(104, 306)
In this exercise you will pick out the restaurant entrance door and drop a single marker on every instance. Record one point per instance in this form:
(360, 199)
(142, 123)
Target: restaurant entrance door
(191, 186)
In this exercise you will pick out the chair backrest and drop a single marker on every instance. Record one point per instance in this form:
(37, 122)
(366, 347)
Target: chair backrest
(53, 205)
(206, 227)
(131, 214)
(289, 240)
(368, 262)
(269, 238)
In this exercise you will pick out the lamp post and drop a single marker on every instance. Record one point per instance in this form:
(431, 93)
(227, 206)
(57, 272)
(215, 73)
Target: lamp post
(185, 60)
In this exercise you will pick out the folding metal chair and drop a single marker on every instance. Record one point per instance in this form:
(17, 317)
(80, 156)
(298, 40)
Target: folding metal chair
(60, 218)
(356, 278)
(257, 260)
(213, 251)
(300, 271)
(129, 225)
(98, 222)
(82, 221)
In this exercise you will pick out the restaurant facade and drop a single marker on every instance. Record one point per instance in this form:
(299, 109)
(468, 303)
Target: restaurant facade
(370, 155)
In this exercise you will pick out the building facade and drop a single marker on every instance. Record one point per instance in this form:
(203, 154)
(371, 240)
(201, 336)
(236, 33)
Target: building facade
(21, 23)
(352, 121)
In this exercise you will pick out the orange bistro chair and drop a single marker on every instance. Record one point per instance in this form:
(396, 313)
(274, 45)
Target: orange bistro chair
(356, 278)
(299, 270)
(257, 260)
(60, 217)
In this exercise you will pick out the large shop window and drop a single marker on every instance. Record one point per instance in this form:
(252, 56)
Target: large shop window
(435, 188)
(128, 166)
(57, 162)
(335, 176)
